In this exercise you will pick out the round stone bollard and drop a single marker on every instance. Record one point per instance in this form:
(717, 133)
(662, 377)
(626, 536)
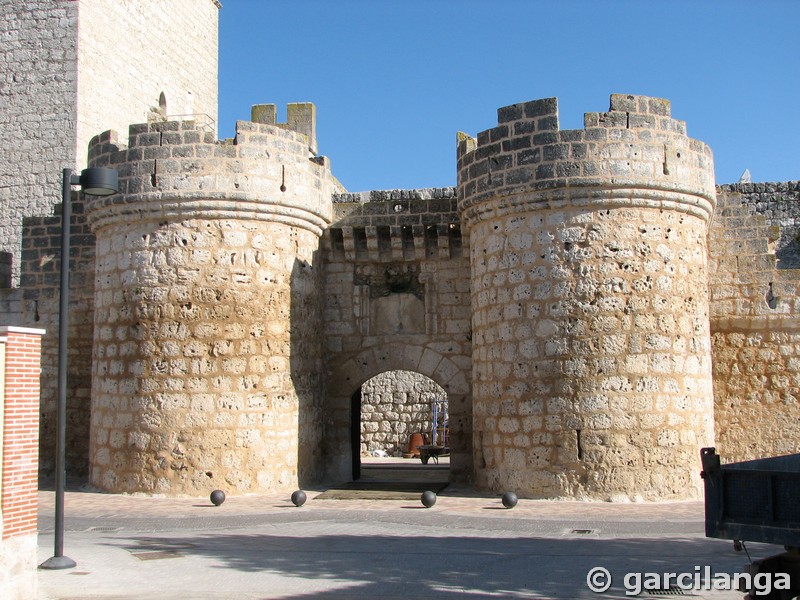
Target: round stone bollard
(510, 499)
(217, 497)
(298, 498)
(428, 498)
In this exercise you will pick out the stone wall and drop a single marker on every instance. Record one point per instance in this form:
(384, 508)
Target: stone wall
(394, 406)
(121, 56)
(779, 204)
(38, 119)
(75, 68)
(207, 367)
(591, 359)
(194, 364)
(130, 52)
(39, 292)
(10, 305)
(558, 296)
(755, 320)
(6, 261)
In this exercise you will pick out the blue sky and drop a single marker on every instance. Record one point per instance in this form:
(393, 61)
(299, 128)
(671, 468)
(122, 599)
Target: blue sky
(393, 81)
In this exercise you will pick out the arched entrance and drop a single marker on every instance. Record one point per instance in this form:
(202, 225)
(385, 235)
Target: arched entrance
(400, 428)
(344, 404)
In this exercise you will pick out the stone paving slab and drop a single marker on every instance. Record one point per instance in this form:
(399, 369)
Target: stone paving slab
(466, 546)
(455, 498)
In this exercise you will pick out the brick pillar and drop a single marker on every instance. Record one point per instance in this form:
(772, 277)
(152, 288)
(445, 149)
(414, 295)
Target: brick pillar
(20, 372)
(20, 429)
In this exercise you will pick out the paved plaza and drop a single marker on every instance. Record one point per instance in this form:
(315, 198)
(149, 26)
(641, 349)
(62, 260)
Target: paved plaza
(466, 546)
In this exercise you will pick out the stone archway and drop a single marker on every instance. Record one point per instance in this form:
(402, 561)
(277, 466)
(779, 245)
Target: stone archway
(348, 372)
(389, 411)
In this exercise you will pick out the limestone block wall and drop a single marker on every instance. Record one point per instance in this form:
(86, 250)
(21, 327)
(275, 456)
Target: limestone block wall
(39, 293)
(36, 303)
(74, 68)
(207, 367)
(754, 320)
(591, 351)
(38, 119)
(395, 405)
(6, 260)
(10, 305)
(10, 299)
(130, 52)
(779, 205)
(396, 298)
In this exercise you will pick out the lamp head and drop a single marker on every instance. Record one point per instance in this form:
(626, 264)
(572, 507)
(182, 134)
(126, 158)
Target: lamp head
(99, 181)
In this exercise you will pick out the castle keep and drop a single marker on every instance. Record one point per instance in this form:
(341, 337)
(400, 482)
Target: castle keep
(594, 308)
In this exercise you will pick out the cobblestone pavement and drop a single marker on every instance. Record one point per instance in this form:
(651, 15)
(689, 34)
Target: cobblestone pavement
(466, 546)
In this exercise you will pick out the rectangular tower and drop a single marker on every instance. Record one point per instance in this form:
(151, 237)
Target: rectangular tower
(75, 68)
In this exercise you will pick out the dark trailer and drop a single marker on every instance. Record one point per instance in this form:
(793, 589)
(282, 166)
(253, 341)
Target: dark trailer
(757, 501)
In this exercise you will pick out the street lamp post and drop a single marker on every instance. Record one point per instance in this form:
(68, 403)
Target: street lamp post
(96, 181)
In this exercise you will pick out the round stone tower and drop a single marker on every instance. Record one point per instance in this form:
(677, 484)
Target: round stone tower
(207, 360)
(591, 352)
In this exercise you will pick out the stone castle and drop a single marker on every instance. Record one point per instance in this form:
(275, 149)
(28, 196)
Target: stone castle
(594, 307)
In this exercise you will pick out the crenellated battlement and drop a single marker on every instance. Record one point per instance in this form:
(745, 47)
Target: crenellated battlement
(212, 247)
(175, 167)
(636, 144)
(301, 117)
(588, 322)
(395, 225)
(589, 288)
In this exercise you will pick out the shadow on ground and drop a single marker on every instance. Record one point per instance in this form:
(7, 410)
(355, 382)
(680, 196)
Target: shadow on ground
(422, 567)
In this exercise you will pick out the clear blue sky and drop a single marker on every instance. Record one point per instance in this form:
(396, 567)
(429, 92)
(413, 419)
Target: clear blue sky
(393, 81)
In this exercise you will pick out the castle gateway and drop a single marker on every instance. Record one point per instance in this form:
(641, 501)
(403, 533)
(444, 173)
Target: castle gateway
(559, 295)
(590, 307)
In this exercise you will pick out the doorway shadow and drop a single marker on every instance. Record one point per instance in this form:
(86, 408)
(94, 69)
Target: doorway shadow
(379, 470)
(388, 478)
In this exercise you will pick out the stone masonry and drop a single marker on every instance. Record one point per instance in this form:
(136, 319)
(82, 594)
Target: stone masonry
(64, 83)
(591, 359)
(396, 298)
(40, 69)
(581, 312)
(207, 363)
(394, 406)
(74, 68)
(173, 74)
(755, 303)
(594, 309)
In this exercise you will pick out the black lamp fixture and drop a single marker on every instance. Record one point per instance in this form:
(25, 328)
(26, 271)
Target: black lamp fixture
(95, 181)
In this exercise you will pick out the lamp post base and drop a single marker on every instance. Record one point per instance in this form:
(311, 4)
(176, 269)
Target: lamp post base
(57, 562)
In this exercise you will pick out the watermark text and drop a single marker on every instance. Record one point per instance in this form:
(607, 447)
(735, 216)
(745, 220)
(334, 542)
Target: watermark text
(599, 580)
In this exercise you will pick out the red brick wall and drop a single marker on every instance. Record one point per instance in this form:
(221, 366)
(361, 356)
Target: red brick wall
(20, 430)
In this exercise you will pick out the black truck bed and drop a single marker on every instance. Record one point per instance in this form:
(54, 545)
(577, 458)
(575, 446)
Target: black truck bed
(755, 500)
